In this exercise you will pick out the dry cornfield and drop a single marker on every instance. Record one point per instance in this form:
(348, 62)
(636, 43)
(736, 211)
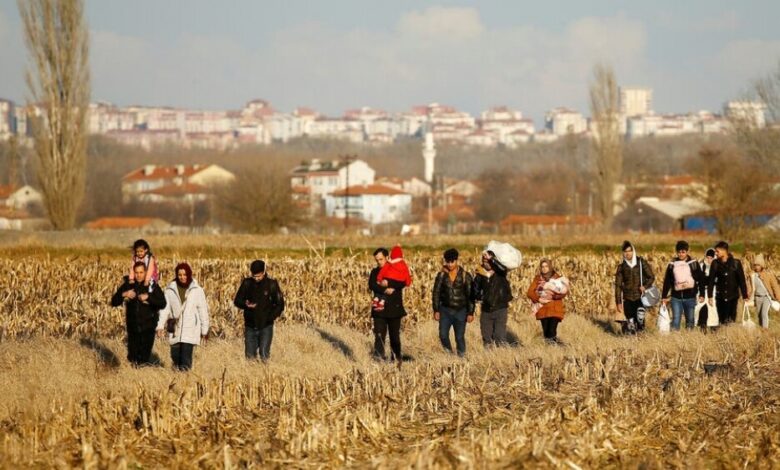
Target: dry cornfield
(70, 399)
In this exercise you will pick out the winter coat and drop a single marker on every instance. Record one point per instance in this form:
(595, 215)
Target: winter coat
(699, 279)
(454, 295)
(729, 279)
(192, 317)
(140, 316)
(770, 282)
(394, 303)
(552, 309)
(494, 292)
(627, 280)
(268, 298)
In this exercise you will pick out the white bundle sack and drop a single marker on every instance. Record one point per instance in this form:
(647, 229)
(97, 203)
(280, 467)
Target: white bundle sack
(664, 322)
(506, 254)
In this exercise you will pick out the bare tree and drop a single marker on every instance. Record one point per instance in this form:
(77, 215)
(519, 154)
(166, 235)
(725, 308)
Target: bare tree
(607, 140)
(57, 39)
(258, 201)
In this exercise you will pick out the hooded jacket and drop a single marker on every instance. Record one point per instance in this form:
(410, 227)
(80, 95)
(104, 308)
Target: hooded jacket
(627, 279)
(192, 317)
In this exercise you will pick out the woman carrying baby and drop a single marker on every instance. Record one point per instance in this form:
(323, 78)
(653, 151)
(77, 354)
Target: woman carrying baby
(546, 292)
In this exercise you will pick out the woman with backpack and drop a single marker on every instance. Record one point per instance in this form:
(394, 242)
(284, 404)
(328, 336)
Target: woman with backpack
(685, 280)
(634, 275)
(763, 288)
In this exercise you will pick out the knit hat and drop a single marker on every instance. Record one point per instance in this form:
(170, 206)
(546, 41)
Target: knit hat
(682, 245)
(759, 261)
(396, 252)
(257, 266)
(187, 270)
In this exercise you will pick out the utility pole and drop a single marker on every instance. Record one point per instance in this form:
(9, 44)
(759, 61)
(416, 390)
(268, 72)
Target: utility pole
(347, 160)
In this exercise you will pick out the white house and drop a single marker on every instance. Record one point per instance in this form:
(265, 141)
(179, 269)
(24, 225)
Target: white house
(19, 198)
(563, 121)
(323, 177)
(374, 203)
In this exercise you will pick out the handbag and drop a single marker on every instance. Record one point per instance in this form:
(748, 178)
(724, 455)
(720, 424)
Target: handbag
(747, 321)
(170, 325)
(651, 296)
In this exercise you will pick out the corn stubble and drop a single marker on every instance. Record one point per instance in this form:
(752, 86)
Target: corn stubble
(686, 399)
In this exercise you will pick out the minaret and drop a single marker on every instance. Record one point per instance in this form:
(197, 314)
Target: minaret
(429, 154)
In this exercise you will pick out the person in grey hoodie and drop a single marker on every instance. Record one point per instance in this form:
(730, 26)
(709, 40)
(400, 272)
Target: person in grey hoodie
(185, 319)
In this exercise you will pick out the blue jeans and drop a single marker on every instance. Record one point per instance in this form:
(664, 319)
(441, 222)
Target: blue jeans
(455, 319)
(678, 307)
(258, 339)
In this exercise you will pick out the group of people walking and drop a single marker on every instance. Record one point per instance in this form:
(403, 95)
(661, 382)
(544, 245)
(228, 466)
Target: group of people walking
(711, 287)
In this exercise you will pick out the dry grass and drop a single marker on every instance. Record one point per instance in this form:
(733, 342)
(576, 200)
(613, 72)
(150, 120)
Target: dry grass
(70, 399)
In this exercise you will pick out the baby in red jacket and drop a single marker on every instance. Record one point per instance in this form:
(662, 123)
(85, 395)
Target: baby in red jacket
(395, 269)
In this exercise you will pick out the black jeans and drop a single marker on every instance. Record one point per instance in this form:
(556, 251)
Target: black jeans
(493, 327)
(139, 346)
(258, 339)
(550, 327)
(630, 308)
(383, 326)
(181, 354)
(727, 310)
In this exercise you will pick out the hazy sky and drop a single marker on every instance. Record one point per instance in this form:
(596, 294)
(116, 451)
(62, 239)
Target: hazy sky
(334, 55)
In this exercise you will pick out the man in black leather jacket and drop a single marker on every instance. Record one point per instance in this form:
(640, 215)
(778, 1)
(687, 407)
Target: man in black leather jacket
(491, 287)
(142, 310)
(727, 278)
(453, 305)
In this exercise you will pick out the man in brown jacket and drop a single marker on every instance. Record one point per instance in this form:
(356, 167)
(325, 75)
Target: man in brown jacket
(763, 288)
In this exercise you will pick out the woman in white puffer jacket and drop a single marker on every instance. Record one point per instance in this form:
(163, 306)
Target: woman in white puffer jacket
(185, 318)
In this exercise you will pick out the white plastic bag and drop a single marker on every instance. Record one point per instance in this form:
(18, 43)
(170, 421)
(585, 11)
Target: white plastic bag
(664, 323)
(747, 322)
(506, 254)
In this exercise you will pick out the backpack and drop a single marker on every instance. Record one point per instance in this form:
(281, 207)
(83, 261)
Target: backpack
(683, 275)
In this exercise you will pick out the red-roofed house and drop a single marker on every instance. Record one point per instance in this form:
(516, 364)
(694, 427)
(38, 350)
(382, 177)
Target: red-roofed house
(373, 203)
(19, 197)
(128, 223)
(153, 177)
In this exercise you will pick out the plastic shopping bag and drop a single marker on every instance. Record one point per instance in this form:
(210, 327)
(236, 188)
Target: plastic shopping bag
(664, 323)
(747, 322)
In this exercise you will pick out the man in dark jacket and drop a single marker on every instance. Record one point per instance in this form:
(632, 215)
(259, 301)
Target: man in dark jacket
(634, 275)
(261, 299)
(142, 306)
(453, 305)
(491, 287)
(386, 318)
(686, 281)
(728, 276)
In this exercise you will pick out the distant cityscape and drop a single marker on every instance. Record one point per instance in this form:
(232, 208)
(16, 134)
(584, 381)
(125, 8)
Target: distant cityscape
(258, 122)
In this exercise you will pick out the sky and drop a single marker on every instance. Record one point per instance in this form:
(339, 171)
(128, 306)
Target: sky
(342, 54)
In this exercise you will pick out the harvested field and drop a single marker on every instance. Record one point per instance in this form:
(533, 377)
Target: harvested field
(602, 400)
